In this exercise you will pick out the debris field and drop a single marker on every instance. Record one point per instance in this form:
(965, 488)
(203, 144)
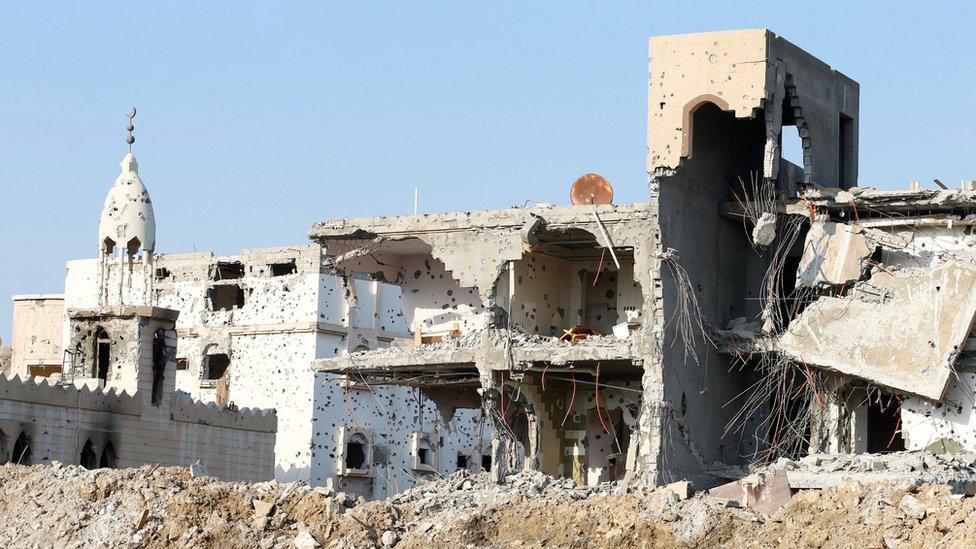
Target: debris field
(69, 506)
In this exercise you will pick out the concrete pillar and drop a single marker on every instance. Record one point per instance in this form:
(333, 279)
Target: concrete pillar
(490, 404)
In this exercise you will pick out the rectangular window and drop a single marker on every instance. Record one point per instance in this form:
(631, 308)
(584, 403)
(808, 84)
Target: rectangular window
(283, 268)
(225, 297)
(229, 270)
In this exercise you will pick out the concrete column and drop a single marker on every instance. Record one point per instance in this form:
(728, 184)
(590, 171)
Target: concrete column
(490, 403)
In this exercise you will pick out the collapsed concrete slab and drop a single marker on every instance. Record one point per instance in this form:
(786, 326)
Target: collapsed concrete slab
(833, 254)
(901, 330)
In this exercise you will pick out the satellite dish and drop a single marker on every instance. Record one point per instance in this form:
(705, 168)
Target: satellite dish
(591, 188)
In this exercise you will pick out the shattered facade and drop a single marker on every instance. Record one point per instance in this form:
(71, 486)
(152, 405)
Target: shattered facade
(250, 328)
(490, 296)
(751, 309)
(648, 391)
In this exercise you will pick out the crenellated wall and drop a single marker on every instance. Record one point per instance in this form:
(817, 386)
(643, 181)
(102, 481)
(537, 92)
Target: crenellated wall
(58, 420)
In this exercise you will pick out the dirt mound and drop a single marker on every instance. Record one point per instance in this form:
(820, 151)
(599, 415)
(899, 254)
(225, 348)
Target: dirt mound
(68, 506)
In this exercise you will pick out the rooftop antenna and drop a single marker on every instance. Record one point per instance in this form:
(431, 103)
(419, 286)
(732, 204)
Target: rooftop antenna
(130, 139)
(592, 189)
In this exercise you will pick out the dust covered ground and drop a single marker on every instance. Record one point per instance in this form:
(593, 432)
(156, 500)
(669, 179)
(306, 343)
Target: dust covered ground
(67, 506)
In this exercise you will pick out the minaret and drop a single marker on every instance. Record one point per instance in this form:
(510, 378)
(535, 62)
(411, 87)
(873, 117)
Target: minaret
(126, 227)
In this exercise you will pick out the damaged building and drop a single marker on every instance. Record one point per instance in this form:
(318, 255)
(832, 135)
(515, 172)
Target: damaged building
(752, 308)
(248, 330)
(589, 335)
(95, 385)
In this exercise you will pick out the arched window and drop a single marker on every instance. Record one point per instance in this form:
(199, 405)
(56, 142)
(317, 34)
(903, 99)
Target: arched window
(102, 354)
(88, 459)
(357, 448)
(109, 459)
(21, 454)
(108, 246)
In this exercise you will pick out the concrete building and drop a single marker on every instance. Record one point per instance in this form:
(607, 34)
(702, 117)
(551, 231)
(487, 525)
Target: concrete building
(94, 383)
(248, 331)
(751, 308)
(652, 398)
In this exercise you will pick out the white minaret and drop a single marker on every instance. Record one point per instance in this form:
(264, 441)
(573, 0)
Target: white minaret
(126, 227)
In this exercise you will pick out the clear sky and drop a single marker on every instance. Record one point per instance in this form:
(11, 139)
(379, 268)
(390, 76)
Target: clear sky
(255, 121)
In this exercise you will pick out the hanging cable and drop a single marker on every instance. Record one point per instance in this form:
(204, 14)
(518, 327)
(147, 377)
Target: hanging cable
(572, 399)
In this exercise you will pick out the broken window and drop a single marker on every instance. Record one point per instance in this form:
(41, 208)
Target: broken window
(462, 461)
(163, 273)
(108, 459)
(283, 268)
(225, 297)
(216, 371)
(102, 354)
(486, 462)
(791, 145)
(88, 459)
(229, 270)
(182, 364)
(356, 453)
(159, 366)
(21, 454)
(215, 366)
(424, 457)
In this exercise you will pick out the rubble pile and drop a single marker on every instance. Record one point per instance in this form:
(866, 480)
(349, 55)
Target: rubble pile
(68, 506)
(818, 470)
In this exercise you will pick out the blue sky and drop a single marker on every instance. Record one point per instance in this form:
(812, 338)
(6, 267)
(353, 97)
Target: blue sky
(256, 120)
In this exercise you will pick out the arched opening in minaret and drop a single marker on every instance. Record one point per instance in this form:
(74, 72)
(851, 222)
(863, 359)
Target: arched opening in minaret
(101, 353)
(133, 246)
(108, 246)
(108, 459)
(88, 458)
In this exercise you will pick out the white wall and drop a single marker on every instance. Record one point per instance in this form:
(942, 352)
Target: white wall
(391, 415)
(287, 322)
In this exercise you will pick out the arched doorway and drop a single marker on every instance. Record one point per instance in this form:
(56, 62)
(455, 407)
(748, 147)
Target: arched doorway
(88, 459)
(21, 454)
(108, 458)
